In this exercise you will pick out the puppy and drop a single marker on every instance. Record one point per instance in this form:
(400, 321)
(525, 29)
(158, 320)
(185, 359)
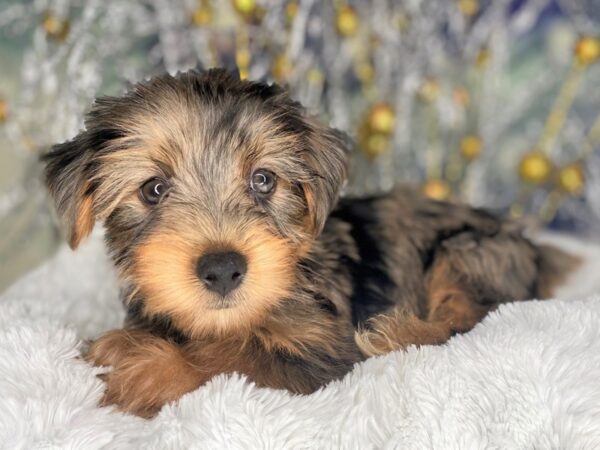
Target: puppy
(220, 202)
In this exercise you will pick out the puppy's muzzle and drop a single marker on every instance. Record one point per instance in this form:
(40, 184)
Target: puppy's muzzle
(221, 272)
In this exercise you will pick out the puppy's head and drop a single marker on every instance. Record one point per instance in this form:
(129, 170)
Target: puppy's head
(210, 189)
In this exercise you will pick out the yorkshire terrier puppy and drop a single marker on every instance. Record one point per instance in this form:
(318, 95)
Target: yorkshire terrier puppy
(220, 202)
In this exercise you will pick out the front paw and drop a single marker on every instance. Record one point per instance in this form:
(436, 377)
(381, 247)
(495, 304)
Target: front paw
(147, 372)
(397, 330)
(114, 346)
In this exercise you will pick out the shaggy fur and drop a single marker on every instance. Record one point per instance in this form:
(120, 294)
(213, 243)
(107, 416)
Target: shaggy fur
(327, 283)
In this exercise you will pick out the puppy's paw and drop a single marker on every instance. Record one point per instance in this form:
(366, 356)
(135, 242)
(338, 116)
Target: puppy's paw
(147, 371)
(397, 330)
(457, 310)
(114, 346)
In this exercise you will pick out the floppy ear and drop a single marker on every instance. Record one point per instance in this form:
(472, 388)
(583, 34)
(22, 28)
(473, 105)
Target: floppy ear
(327, 157)
(66, 171)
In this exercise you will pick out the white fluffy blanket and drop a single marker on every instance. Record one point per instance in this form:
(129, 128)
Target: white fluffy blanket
(527, 377)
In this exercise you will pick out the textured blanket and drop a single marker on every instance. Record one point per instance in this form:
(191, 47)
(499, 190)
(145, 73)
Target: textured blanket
(528, 376)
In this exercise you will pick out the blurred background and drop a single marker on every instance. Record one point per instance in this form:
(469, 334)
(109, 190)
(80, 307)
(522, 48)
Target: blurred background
(493, 102)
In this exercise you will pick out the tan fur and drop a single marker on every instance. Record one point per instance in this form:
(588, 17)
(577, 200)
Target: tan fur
(450, 301)
(397, 330)
(178, 293)
(147, 371)
(84, 223)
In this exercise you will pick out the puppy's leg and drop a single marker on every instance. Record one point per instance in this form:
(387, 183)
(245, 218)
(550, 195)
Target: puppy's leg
(147, 371)
(472, 274)
(555, 265)
(113, 346)
(399, 329)
(452, 302)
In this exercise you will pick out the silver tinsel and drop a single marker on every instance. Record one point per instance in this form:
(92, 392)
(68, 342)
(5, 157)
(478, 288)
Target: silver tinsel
(109, 44)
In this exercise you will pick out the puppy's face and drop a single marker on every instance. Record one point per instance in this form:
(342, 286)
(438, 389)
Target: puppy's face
(210, 189)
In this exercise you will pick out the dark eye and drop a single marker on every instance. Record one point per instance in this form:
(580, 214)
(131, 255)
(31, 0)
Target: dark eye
(153, 190)
(263, 181)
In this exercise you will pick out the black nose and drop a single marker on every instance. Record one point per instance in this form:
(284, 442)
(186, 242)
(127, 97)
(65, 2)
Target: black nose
(221, 272)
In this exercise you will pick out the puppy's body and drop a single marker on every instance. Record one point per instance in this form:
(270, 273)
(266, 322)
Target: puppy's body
(217, 197)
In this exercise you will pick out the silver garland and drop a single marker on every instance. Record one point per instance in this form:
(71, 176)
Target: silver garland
(110, 44)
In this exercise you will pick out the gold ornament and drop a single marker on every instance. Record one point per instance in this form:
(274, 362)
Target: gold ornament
(242, 58)
(3, 110)
(364, 72)
(483, 57)
(346, 21)
(587, 50)
(381, 119)
(571, 179)
(374, 144)
(535, 167)
(315, 76)
(468, 7)
(55, 27)
(429, 90)
(461, 96)
(281, 68)
(376, 129)
(437, 189)
(203, 15)
(246, 8)
(470, 147)
(291, 10)
(244, 73)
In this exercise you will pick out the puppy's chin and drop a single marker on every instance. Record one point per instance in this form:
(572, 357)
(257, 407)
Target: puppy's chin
(223, 303)
(224, 317)
(197, 312)
(232, 300)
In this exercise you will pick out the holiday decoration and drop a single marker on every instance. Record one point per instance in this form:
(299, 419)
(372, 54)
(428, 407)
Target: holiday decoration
(376, 129)
(429, 90)
(245, 7)
(535, 167)
(291, 11)
(468, 7)
(347, 21)
(588, 50)
(571, 179)
(203, 15)
(281, 69)
(493, 103)
(55, 27)
(470, 147)
(3, 110)
(437, 189)
(381, 119)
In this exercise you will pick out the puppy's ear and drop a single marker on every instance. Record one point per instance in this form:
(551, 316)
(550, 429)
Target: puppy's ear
(327, 157)
(67, 171)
